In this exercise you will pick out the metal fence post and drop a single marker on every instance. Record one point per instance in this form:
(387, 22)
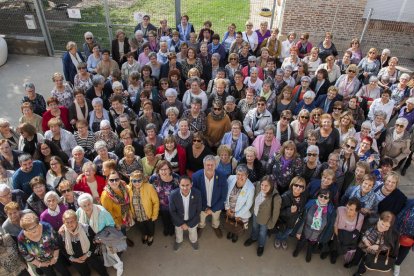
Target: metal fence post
(370, 13)
(108, 21)
(177, 12)
(273, 14)
(43, 26)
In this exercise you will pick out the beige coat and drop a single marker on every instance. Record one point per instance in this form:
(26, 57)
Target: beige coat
(398, 149)
(267, 215)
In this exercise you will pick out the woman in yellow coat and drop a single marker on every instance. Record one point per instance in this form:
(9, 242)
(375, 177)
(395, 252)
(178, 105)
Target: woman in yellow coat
(144, 204)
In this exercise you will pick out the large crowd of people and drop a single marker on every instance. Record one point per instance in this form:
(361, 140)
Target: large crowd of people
(271, 138)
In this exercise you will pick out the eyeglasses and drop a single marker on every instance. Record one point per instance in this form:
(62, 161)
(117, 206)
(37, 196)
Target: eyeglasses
(65, 191)
(233, 58)
(196, 140)
(136, 180)
(113, 180)
(261, 104)
(32, 229)
(298, 186)
(323, 196)
(302, 38)
(337, 108)
(312, 154)
(300, 65)
(316, 115)
(88, 38)
(398, 125)
(371, 52)
(351, 71)
(304, 117)
(350, 147)
(329, 59)
(252, 61)
(164, 83)
(285, 118)
(249, 25)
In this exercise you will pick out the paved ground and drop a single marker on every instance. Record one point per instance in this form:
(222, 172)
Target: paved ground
(215, 257)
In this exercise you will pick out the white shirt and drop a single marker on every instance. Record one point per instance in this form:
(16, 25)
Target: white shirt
(378, 105)
(186, 204)
(209, 189)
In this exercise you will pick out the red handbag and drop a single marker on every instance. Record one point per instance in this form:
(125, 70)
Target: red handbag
(406, 241)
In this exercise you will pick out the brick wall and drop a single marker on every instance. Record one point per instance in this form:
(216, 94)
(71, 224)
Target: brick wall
(344, 19)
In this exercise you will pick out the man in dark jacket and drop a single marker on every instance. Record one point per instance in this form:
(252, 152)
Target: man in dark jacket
(212, 184)
(185, 208)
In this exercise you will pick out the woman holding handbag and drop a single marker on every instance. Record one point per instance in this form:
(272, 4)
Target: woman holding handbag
(266, 210)
(239, 200)
(378, 247)
(347, 230)
(405, 226)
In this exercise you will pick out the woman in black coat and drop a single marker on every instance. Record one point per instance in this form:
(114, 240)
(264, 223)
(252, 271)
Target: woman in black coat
(120, 40)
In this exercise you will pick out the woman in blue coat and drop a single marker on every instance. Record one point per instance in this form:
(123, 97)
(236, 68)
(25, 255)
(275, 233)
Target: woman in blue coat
(70, 61)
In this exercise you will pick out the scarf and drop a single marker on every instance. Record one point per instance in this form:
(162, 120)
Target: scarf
(80, 233)
(214, 48)
(55, 212)
(301, 132)
(376, 129)
(79, 114)
(285, 163)
(278, 133)
(218, 117)
(265, 95)
(170, 156)
(396, 136)
(93, 221)
(317, 216)
(75, 59)
(122, 201)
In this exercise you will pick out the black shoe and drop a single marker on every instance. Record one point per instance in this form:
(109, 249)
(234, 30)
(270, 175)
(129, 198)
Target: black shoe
(234, 238)
(356, 274)
(403, 171)
(260, 250)
(129, 242)
(144, 240)
(229, 235)
(249, 242)
(333, 258)
(150, 241)
(295, 252)
(166, 232)
(348, 265)
(199, 232)
(308, 257)
(324, 255)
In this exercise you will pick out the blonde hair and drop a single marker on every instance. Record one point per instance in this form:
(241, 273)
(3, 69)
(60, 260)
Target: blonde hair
(70, 45)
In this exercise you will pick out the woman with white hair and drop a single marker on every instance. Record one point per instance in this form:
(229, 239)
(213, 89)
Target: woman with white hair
(107, 135)
(348, 84)
(307, 103)
(301, 126)
(384, 58)
(89, 44)
(407, 112)
(71, 58)
(170, 125)
(400, 92)
(103, 155)
(172, 101)
(397, 143)
(253, 80)
(98, 114)
(311, 163)
(390, 71)
(54, 212)
(369, 92)
(7, 132)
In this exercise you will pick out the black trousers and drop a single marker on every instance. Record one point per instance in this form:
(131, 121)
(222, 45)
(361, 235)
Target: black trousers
(95, 262)
(402, 253)
(167, 222)
(59, 266)
(359, 258)
(147, 228)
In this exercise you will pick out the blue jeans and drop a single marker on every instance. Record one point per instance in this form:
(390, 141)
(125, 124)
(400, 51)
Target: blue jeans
(282, 236)
(259, 232)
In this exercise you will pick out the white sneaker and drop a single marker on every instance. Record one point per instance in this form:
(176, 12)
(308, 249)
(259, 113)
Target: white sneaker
(119, 268)
(396, 270)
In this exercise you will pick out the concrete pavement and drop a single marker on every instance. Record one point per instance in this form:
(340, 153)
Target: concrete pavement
(215, 257)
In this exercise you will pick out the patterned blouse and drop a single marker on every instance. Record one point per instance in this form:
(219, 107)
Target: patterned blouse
(138, 207)
(65, 98)
(111, 141)
(234, 195)
(82, 83)
(127, 169)
(42, 250)
(195, 124)
(164, 189)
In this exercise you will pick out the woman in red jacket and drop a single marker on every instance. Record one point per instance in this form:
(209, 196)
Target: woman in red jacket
(89, 182)
(173, 153)
(55, 111)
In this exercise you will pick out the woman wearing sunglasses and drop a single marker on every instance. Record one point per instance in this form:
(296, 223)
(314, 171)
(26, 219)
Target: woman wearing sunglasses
(291, 209)
(316, 226)
(144, 204)
(69, 197)
(301, 126)
(347, 156)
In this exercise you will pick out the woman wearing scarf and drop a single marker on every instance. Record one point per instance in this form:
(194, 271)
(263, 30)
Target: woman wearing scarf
(266, 144)
(347, 156)
(236, 140)
(216, 47)
(174, 154)
(348, 84)
(115, 199)
(217, 124)
(301, 126)
(397, 143)
(269, 94)
(284, 131)
(76, 241)
(284, 166)
(29, 138)
(80, 108)
(54, 212)
(316, 226)
(365, 194)
(71, 60)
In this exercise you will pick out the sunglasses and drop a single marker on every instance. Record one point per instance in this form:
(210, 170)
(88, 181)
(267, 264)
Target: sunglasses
(261, 104)
(337, 108)
(252, 61)
(136, 180)
(298, 186)
(316, 115)
(65, 191)
(312, 154)
(82, 68)
(351, 71)
(197, 140)
(233, 58)
(304, 117)
(88, 38)
(398, 125)
(350, 147)
(113, 180)
(285, 118)
(323, 196)
(216, 108)
(302, 38)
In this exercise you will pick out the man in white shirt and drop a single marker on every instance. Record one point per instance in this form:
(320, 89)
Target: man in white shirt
(185, 207)
(213, 186)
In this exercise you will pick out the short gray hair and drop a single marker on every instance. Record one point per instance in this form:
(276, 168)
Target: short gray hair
(254, 70)
(29, 85)
(139, 32)
(151, 126)
(78, 149)
(270, 127)
(97, 79)
(380, 113)
(366, 124)
(402, 121)
(85, 197)
(99, 145)
(216, 55)
(90, 34)
(4, 188)
(96, 101)
(116, 84)
(195, 79)
(242, 168)
(209, 157)
(104, 123)
(250, 149)
(49, 194)
(312, 148)
(24, 157)
(172, 109)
